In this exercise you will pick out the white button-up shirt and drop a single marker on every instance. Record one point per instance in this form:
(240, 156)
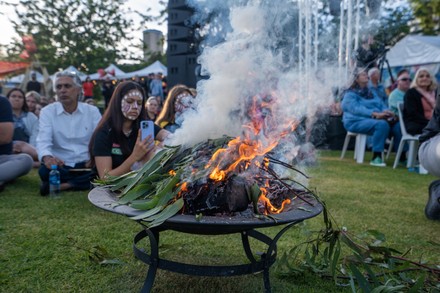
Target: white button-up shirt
(64, 135)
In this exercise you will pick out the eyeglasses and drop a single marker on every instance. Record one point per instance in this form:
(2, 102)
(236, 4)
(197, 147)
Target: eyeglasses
(66, 85)
(405, 79)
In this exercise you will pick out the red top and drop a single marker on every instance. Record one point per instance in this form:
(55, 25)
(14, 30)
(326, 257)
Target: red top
(88, 88)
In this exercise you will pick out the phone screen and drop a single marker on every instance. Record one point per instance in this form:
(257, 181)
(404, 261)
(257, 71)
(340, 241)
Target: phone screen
(147, 128)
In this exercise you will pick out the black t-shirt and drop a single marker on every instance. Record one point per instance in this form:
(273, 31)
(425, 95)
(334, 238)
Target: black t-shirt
(106, 145)
(5, 116)
(33, 86)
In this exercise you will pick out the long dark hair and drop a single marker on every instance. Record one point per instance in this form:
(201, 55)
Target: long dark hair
(113, 119)
(25, 107)
(168, 112)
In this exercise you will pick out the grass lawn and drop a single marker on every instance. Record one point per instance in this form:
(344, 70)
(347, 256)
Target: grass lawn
(45, 244)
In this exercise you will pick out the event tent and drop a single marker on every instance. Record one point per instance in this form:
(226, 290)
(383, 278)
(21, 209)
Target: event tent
(112, 72)
(155, 67)
(71, 68)
(7, 67)
(18, 79)
(410, 53)
(415, 50)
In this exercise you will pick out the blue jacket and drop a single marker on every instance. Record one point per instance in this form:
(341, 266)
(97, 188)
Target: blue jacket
(358, 105)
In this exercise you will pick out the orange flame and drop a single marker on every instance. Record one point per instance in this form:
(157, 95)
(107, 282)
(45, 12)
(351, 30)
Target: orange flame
(246, 153)
(183, 188)
(269, 207)
(260, 136)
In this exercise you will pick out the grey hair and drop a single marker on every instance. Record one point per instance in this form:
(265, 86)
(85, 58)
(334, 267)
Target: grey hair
(372, 71)
(76, 80)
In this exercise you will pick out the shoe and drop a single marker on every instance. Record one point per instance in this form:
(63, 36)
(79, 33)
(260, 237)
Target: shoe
(44, 188)
(432, 209)
(403, 163)
(377, 162)
(2, 186)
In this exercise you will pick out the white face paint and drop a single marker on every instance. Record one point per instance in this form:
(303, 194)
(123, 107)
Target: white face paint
(131, 104)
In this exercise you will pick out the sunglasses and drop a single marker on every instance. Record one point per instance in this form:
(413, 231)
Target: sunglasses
(405, 79)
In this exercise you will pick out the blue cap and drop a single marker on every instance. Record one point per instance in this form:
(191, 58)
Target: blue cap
(53, 167)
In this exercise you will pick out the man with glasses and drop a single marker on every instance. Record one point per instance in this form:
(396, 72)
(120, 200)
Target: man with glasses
(66, 128)
(396, 96)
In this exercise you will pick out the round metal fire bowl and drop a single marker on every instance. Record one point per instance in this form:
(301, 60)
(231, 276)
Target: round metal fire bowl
(211, 225)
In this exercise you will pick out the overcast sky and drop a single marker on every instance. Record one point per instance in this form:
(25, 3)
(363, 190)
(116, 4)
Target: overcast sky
(7, 13)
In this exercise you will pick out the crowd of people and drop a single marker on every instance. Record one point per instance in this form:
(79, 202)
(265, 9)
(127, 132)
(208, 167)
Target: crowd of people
(368, 109)
(72, 135)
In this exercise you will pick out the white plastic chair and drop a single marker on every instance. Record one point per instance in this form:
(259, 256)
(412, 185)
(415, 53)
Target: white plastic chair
(412, 140)
(360, 145)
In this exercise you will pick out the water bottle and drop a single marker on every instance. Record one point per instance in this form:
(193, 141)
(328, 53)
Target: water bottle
(54, 182)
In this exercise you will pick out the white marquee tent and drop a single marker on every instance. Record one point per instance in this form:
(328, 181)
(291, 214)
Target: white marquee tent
(415, 50)
(112, 72)
(410, 53)
(155, 67)
(71, 68)
(19, 78)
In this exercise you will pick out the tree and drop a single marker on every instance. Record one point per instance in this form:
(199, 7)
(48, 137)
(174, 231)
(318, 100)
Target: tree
(74, 32)
(427, 14)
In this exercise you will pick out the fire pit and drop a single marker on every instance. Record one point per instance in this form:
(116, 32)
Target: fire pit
(209, 225)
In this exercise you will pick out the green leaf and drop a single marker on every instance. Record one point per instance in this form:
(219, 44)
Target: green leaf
(167, 213)
(419, 284)
(360, 279)
(135, 193)
(377, 235)
(147, 169)
(146, 204)
(111, 262)
(335, 260)
(147, 214)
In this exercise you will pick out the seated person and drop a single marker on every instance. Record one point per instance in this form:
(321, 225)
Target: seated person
(419, 101)
(116, 146)
(12, 166)
(66, 127)
(429, 158)
(32, 99)
(25, 126)
(179, 100)
(151, 108)
(364, 112)
(375, 86)
(396, 96)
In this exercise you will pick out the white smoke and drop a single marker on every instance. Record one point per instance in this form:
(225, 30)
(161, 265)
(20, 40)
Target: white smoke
(249, 62)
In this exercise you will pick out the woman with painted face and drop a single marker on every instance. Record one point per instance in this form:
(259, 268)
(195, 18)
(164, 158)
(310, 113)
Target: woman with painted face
(116, 145)
(179, 100)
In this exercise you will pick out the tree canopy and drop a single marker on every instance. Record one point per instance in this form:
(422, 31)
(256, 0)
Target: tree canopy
(88, 33)
(427, 14)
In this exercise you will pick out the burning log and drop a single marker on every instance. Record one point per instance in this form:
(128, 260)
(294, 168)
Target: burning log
(217, 177)
(214, 197)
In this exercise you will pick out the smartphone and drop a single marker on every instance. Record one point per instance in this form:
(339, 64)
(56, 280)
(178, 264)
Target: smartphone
(147, 128)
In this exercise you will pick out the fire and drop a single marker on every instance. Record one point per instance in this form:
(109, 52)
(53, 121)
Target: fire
(247, 152)
(183, 189)
(269, 207)
(260, 136)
